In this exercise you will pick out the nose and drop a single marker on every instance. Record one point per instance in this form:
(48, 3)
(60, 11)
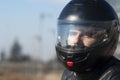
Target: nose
(74, 40)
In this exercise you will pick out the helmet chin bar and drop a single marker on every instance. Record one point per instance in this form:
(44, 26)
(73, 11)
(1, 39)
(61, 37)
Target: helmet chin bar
(71, 63)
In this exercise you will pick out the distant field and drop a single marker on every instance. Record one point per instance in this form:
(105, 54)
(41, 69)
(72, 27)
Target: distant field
(17, 76)
(26, 71)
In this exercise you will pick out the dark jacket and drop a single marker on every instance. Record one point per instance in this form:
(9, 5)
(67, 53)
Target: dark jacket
(110, 70)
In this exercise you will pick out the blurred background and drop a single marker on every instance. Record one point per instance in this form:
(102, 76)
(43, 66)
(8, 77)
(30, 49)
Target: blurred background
(28, 36)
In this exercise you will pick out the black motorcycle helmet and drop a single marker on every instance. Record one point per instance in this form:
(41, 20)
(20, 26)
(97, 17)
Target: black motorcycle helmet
(92, 21)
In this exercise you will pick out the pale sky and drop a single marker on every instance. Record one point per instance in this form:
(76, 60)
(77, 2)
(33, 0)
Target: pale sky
(21, 19)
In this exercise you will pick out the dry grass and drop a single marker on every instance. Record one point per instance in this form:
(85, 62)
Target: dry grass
(16, 76)
(15, 72)
(49, 76)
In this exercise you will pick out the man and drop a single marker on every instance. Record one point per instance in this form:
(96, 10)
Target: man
(87, 39)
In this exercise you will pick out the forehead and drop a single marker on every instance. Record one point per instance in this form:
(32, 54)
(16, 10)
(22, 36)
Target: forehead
(74, 32)
(77, 31)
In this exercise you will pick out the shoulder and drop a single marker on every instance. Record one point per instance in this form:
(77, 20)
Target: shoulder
(116, 71)
(113, 72)
(67, 75)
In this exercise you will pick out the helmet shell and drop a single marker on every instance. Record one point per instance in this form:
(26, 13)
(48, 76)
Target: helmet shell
(88, 10)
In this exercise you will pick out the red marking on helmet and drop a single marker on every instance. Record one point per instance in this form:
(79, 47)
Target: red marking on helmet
(70, 64)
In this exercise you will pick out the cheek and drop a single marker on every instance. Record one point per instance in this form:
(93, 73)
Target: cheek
(89, 42)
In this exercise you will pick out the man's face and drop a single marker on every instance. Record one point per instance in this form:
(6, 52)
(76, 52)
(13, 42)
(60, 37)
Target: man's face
(76, 36)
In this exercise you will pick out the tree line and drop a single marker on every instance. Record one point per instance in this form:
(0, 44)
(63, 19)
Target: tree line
(16, 53)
